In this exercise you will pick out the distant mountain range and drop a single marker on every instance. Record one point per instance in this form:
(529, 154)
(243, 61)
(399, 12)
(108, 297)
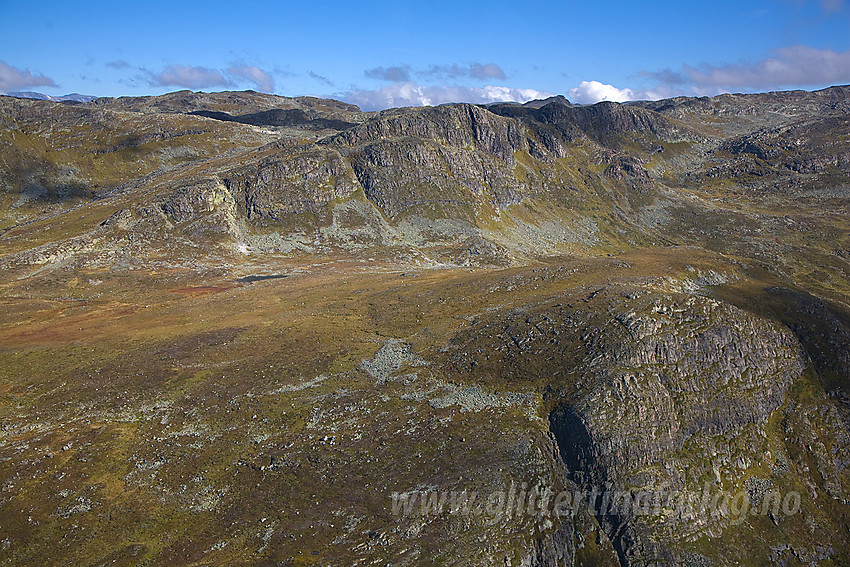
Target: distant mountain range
(75, 97)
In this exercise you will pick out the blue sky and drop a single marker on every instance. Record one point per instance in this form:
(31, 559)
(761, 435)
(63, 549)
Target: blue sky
(381, 54)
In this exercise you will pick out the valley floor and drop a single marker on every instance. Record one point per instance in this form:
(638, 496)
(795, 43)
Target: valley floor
(194, 418)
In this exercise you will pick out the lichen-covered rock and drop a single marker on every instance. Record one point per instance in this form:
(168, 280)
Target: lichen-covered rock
(658, 376)
(458, 125)
(303, 179)
(654, 392)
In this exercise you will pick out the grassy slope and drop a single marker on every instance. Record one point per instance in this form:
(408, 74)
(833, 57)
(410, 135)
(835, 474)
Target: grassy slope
(178, 418)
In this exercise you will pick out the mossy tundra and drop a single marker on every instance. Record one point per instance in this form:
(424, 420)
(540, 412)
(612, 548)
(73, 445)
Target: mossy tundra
(238, 328)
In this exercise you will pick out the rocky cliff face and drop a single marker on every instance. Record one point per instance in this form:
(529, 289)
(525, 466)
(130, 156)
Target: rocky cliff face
(663, 396)
(522, 179)
(304, 179)
(664, 401)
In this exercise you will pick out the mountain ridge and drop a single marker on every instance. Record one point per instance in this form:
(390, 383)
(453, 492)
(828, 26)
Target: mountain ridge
(72, 97)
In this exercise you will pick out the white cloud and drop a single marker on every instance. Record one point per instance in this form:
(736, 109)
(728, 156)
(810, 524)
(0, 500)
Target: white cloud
(188, 77)
(793, 66)
(195, 77)
(263, 81)
(117, 64)
(796, 66)
(398, 74)
(832, 5)
(412, 94)
(486, 71)
(478, 71)
(827, 6)
(320, 78)
(589, 92)
(12, 78)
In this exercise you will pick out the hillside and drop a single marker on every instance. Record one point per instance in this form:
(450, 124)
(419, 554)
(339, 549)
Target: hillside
(237, 324)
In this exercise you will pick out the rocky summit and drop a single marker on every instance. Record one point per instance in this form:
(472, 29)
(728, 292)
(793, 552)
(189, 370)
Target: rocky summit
(244, 329)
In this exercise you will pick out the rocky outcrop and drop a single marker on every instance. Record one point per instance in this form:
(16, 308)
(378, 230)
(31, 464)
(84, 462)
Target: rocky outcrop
(653, 393)
(457, 125)
(208, 202)
(231, 103)
(601, 122)
(665, 371)
(813, 146)
(406, 173)
(303, 179)
(294, 117)
(762, 107)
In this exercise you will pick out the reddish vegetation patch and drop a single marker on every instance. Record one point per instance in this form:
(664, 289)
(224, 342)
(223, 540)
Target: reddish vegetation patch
(198, 291)
(57, 328)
